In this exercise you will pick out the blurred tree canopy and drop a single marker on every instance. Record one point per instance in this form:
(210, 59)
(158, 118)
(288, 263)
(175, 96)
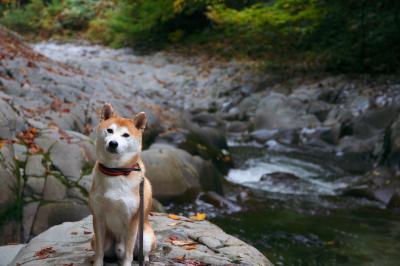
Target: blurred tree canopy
(338, 35)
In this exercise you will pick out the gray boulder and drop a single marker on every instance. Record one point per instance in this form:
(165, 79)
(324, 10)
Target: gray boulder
(175, 174)
(277, 111)
(69, 244)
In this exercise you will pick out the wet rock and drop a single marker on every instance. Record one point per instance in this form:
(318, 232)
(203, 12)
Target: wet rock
(279, 176)
(50, 214)
(34, 166)
(263, 135)
(237, 127)
(208, 143)
(206, 119)
(320, 136)
(288, 136)
(219, 201)
(213, 246)
(276, 111)
(175, 174)
(369, 147)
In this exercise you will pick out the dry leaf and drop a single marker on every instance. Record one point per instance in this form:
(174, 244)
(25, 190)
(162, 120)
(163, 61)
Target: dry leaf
(190, 246)
(74, 233)
(181, 243)
(173, 217)
(44, 253)
(200, 216)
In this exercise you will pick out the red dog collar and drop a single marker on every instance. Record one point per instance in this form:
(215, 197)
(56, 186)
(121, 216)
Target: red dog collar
(119, 171)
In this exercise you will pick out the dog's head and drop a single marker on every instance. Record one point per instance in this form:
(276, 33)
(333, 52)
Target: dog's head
(119, 139)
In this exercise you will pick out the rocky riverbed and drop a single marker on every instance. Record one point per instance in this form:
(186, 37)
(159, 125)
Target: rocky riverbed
(222, 138)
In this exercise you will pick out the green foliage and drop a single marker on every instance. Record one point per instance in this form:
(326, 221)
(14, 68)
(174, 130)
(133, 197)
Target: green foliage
(158, 22)
(341, 35)
(359, 35)
(48, 16)
(25, 19)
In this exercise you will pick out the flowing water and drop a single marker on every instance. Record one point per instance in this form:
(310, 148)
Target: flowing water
(306, 221)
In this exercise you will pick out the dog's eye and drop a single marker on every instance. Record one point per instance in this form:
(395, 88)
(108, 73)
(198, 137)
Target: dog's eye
(125, 135)
(109, 130)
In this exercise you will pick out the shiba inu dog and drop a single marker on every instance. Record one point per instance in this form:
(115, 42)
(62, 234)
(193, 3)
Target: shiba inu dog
(114, 195)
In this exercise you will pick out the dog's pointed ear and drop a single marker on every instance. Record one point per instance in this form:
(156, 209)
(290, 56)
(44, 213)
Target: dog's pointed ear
(140, 121)
(107, 111)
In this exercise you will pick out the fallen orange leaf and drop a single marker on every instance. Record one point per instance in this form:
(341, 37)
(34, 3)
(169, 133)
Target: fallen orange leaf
(200, 216)
(173, 217)
(181, 243)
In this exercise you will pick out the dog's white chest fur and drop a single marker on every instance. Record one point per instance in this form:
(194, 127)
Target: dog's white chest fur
(115, 200)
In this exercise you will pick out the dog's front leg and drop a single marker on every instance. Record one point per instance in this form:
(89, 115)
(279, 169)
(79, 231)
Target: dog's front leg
(130, 241)
(100, 234)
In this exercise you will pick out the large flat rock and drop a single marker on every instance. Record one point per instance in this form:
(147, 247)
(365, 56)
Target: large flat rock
(69, 244)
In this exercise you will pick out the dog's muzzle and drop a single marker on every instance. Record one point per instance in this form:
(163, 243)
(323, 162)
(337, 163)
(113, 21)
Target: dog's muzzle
(112, 146)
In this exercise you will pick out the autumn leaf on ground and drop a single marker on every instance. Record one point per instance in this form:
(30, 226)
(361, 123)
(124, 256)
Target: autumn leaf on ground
(181, 243)
(200, 216)
(190, 246)
(173, 217)
(74, 233)
(44, 253)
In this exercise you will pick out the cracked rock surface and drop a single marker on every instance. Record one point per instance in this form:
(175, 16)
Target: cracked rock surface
(205, 244)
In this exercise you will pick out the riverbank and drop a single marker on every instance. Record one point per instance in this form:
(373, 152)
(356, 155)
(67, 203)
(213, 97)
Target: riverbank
(261, 151)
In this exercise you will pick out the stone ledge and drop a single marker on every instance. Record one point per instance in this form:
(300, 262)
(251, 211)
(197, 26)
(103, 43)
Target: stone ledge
(212, 246)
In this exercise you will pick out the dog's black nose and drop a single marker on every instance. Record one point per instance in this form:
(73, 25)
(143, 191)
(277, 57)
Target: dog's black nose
(112, 145)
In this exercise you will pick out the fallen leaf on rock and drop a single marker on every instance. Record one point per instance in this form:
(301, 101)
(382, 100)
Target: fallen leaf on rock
(200, 216)
(181, 243)
(173, 217)
(68, 264)
(180, 259)
(87, 232)
(34, 149)
(190, 246)
(74, 233)
(171, 238)
(44, 253)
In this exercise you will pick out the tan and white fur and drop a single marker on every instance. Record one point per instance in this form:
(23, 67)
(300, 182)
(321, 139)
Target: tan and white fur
(114, 200)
